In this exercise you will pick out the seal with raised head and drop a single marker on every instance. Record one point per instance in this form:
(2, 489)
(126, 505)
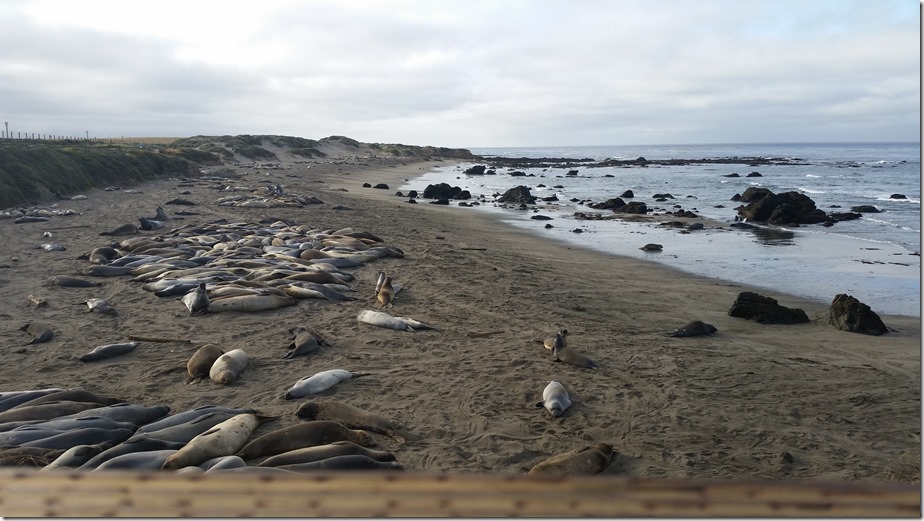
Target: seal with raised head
(555, 398)
(40, 332)
(306, 340)
(100, 305)
(385, 293)
(350, 416)
(228, 366)
(197, 302)
(201, 362)
(589, 460)
(224, 439)
(559, 339)
(694, 328)
(319, 452)
(301, 435)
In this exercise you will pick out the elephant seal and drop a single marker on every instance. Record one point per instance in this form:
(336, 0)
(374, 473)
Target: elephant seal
(197, 302)
(559, 339)
(308, 434)
(570, 356)
(28, 456)
(187, 416)
(306, 340)
(40, 332)
(222, 463)
(132, 445)
(319, 452)
(345, 462)
(90, 436)
(555, 398)
(349, 416)
(102, 255)
(44, 411)
(10, 399)
(228, 366)
(108, 351)
(100, 305)
(251, 303)
(381, 319)
(72, 282)
(319, 382)
(201, 362)
(149, 224)
(147, 460)
(105, 270)
(386, 293)
(77, 455)
(125, 229)
(224, 439)
(694, 328)
(74, 395)
(589, 460)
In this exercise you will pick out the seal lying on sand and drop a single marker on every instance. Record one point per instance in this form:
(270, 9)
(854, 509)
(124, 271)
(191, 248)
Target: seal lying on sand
(352, 417)
(303, 435)
(589, 460)
(555, 398)
(40, 332)
(562, 353)
(381, 319)
(319, 382)
(306, 340)
(694, 328)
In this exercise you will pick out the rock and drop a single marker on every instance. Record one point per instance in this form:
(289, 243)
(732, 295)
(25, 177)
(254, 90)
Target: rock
(550, 199)
(754, 174)
(541, 218)
(518, 194)
(412, 194)
(663, 196)
(367, 185)
(736, 197)
(843, 216)
(547, 226)
(441, 200)
(609, 204)
(734, 174)
(637, 207)
(381, 186)
(399, 194)
(788, 208)
(897, 196)
(475, 170)
(765, 310)
(849, 314)
(652, 247)
(442, 190)
(628, 194)
(572, 172)
(865, 208)
(517, 173)
(695, 226)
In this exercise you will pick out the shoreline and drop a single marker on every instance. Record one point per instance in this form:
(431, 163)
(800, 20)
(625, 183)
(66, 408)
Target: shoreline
(844, 406)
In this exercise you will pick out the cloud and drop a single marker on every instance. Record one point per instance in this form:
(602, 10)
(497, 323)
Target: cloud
(477, 73)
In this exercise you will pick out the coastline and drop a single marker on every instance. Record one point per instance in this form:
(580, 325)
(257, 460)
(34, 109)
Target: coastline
(843, 406)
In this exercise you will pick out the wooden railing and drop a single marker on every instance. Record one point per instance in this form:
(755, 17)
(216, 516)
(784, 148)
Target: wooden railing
(28, 493)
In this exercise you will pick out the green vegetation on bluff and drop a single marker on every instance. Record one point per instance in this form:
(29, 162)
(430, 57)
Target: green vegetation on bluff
(33, 171)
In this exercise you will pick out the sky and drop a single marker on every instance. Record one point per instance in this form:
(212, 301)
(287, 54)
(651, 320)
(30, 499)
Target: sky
(473, 73)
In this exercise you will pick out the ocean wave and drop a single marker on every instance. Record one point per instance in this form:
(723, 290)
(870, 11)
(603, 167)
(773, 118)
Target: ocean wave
(812, 176)
(810, 191)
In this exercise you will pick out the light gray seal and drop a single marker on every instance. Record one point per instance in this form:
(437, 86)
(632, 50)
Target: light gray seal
(100, 305)
(10, 399)
(197, 302)
(76, 456)
(72, 282)
(349, 416)
(147, 460)
(225, 439)
(694, 328)
(555, 399)
(44, 411)
(108, 351)
(189, 415)
(68, 439)
(308, 434)
(40, 332)
(134, 444)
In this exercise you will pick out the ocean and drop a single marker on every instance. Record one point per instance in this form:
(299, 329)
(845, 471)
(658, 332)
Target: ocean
(875, 258)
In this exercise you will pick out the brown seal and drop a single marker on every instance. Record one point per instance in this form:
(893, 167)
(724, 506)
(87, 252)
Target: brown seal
(319, 452)
(570, 356)
(40, 332)
(306, 340)
(592, 459)
(302, 435)
(345, 462)
(202, 361)
(385, 293)
(350, 416)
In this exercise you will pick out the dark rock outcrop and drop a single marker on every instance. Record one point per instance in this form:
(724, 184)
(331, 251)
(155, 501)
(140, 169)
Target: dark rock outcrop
(475, 170)
(633, 207)
(609, 204)
(765, 310)
(788, 208)
(754, 174)
(849, 314)
(628, 194)
(519, 195)
(444, 190)
(865, 208)
(898, 196)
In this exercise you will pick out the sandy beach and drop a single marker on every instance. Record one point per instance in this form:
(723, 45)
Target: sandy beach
(752, 401)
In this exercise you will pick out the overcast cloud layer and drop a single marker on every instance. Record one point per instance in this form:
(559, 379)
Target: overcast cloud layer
(466, 74)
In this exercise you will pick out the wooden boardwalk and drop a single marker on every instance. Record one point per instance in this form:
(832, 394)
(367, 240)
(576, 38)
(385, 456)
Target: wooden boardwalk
(30, 493)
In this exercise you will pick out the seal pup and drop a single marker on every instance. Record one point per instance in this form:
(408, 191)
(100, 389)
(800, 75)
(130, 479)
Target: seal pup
(125, 229)
(589, 460)
(694, 328)
(150, 224)
(197, 302)
(108, 351)
(555, 398)
(570, 356)
(319, 452)
(301, 435)
(306, 340)
(100, 305)
(224, 439)
(102, 255)
(350, 416)
(228, 366)
(201, 362)
(40, 332)
(382, 319)
(319, 382)
(385, 293)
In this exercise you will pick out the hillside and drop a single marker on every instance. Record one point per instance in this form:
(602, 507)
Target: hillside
(33, 172)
